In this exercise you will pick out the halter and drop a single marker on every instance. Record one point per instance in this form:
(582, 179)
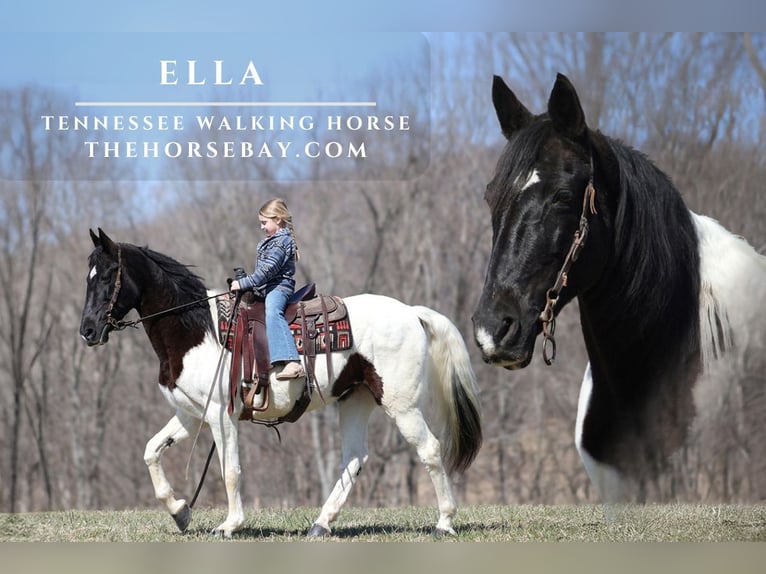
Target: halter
(552, 295)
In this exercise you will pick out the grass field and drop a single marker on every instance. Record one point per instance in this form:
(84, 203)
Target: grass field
(652, 523)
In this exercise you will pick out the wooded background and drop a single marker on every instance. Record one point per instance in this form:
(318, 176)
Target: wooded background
(75, 420)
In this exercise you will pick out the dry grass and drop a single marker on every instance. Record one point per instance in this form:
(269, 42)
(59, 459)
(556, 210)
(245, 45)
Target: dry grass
(587, 523)
(385, 541)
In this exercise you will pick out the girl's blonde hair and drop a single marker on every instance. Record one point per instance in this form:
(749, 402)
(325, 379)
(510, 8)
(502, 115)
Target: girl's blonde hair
(276, 208)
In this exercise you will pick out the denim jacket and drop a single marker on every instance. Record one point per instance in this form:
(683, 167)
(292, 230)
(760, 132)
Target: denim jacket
(274, 264)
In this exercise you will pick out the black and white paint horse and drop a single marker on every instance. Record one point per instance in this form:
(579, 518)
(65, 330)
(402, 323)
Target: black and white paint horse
(662, 291)
(409, 360)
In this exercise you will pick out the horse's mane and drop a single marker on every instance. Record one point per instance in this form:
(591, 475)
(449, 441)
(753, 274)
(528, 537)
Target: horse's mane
(655, 242)
(184, 287)
(183, 278)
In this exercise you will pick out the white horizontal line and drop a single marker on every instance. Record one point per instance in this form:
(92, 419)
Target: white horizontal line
(225, 104)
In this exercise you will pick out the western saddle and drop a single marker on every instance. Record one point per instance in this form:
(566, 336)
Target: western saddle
(318, 322)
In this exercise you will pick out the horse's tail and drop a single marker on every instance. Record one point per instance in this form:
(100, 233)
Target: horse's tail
(458, 394)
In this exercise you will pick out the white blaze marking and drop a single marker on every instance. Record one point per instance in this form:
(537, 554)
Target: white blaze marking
(485, 340)
(533, 179)
(92, 273)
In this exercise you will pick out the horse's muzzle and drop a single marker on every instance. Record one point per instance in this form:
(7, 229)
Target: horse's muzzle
(94, 336)
(502, 339)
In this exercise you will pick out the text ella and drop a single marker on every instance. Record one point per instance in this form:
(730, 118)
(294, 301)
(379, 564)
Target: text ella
(171, 74)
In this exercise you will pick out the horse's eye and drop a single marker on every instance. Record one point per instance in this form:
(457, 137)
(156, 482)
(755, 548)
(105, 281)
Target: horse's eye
(562, 196)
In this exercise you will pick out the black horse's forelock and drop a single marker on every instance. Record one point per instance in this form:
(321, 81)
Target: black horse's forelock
(519, 158)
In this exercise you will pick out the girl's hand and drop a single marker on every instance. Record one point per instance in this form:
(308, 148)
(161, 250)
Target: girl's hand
(234, 286)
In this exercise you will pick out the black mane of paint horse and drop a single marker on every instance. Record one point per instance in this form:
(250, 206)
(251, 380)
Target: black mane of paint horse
(637, 280)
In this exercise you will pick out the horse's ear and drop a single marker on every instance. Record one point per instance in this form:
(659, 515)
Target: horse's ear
(94, 238)
(510, 111)
(109, 246)
(565, 110)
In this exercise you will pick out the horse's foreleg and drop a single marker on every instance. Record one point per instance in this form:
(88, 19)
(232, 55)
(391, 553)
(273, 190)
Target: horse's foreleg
(225, 434)
(173, 432)
(354, 417)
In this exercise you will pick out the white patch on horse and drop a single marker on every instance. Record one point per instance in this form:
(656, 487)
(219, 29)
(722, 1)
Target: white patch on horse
(533, 178)
(732, 280)
(485, 341)
(611, 485)
(92, 273)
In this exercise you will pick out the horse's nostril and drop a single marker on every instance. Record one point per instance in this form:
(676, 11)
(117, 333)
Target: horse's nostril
(88, 333)
(503, 328)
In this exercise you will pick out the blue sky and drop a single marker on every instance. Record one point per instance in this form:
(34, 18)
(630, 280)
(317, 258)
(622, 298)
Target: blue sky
(291, 16)
(68, 40)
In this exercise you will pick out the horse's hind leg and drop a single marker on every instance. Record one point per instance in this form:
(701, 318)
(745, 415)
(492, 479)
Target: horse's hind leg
(175, 431)
(354, 417)
(413, 427)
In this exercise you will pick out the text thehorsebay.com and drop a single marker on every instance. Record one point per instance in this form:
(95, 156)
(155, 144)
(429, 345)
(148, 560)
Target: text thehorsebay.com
(237, 124)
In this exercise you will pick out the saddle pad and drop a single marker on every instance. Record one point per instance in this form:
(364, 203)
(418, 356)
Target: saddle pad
(225, 307)
(339, 336)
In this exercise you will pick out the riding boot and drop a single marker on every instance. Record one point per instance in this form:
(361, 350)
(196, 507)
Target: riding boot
(292, 370)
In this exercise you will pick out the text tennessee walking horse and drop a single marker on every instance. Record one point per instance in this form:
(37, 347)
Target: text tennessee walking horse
(411, 361)
(662, 291)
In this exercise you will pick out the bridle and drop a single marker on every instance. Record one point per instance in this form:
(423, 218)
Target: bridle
(117, 325)
(548, 317)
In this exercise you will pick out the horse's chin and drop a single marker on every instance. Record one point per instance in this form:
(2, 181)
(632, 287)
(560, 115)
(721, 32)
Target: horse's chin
(518, 364)
(510, 361)
(104, 338)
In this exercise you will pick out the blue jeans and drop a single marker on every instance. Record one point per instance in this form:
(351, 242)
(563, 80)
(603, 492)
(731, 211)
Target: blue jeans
(281, 342)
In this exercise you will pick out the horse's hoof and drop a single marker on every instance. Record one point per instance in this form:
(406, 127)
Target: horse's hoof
(220, 533)
(441, 533)
(183, 518)
(318, 531)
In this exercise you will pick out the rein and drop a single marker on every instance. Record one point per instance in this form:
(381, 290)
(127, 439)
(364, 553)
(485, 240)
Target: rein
(548, 317)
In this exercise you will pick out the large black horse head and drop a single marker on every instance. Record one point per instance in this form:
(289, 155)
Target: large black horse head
(110, 293)
(536, 201)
